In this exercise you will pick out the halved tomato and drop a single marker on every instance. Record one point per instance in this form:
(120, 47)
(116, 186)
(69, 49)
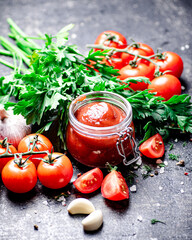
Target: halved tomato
(114, 187)
(153, 147)
(89, 181)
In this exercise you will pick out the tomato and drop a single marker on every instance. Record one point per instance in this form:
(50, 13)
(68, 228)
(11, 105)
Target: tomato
(143, 68)
(42, 144)
(117, 40)
(11, 150)
(153, 147)
(114, 187)
(55, 172)
(89, 181)
(143, 50)
(117, 63)
(171, 61)
(19, 179)
(165, 86)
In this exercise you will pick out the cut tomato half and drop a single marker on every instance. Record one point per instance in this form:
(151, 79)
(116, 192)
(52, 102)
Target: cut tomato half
(153, 147)
(89, 181)
(114, 187)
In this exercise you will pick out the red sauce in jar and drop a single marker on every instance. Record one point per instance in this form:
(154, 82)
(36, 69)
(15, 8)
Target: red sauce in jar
(100, 114)
(94, 148)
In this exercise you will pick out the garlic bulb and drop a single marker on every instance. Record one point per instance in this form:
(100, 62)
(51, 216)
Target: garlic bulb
(13, 127)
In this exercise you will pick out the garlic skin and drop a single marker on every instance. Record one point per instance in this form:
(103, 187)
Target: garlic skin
(93, 221)
(13, 127)
(80, 206)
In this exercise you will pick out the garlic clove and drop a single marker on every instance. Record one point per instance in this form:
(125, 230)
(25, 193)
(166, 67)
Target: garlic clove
(80, 206)
(93, 221)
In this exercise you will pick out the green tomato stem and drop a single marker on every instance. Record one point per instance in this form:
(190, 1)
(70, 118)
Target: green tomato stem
(101, 46)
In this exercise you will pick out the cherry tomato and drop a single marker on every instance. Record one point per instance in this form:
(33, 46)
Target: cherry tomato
(114, 187)
(143, 50)
(3, 148)
(165, 86)
(143, 68)
(171, 61)
(56, 172)
(117, 63)
(89, 181)
(153, 147)
(42, 144)
(19, 179)
(112, 39)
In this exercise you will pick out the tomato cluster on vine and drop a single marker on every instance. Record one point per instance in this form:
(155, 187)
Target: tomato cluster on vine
(34, 159)
(139, 59)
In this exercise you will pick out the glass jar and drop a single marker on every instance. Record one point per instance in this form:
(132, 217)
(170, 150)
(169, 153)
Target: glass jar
(95, 146)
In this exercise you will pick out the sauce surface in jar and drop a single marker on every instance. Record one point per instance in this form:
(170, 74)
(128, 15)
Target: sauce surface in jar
(95, 126)
(100, 114)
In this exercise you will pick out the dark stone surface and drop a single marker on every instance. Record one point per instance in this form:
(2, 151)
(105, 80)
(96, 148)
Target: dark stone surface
(165, 24)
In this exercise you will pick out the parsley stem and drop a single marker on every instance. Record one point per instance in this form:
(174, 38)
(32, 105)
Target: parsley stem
(5, 52)
(7, 63)
(13, 49)
(17, 30)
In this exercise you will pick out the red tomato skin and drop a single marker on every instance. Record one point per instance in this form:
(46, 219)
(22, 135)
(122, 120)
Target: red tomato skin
(56, 175)
(166, 86)
(19, 180)
(89, 181)
(102, 36)
(114, 187)
(144, 69)
(122, 42)
(5, 160)
(172, 62)
(117, 63)
(152, 148)
(143, 50)
(43, 144)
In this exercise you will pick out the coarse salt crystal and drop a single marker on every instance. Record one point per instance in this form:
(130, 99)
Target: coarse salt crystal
(160, 188)
(45, 203)
(182, 183)
(182, 191)
(187, 46)
(60, 199)
(133, 188)
(182, 48)
(162, 170)
(139, 162)
(139, 218)
(166, 163)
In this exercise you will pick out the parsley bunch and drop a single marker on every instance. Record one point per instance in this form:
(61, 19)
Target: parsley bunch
(58, 73)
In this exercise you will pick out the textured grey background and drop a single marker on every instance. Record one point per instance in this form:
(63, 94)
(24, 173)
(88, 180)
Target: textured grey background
(165, 24)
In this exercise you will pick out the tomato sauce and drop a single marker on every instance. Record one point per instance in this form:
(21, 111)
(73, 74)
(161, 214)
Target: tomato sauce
(100, 114)
(97, 149)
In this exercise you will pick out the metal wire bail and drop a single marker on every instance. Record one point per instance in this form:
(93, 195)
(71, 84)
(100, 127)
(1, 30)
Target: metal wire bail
(123, 136)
